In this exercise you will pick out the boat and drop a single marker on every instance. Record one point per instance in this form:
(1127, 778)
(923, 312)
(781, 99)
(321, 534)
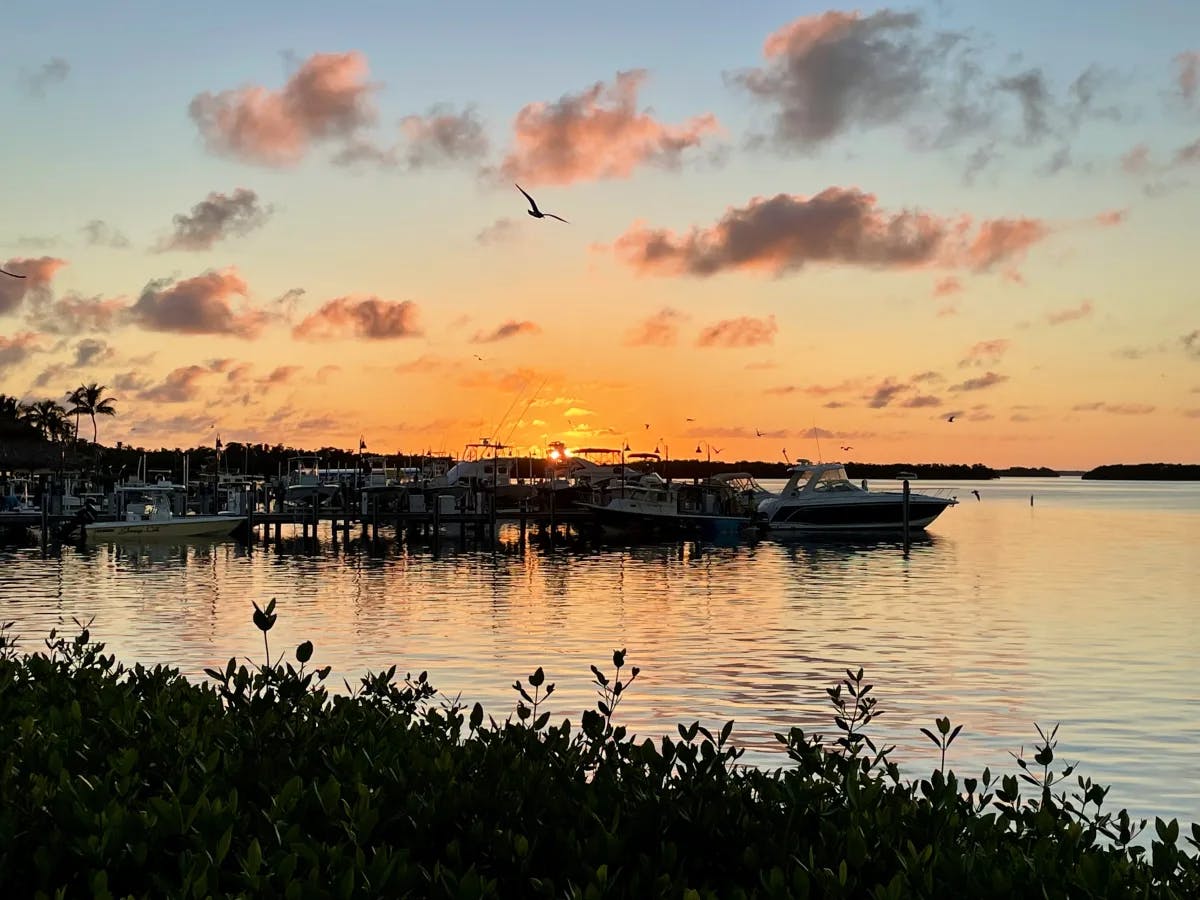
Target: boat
(647, 502)
(481, 470)
(149, 512)
(820, 498)
(308, 478)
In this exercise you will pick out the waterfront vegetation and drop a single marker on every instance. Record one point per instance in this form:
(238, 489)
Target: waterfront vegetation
(259, 781)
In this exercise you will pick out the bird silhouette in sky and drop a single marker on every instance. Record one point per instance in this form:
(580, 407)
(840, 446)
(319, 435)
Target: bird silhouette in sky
(976, 493)
(847, 448)
(689, 419)
(717, 450)
(950, 418)
(758, 433)
(11, 274)
(478, 357)
(537, 213)
(647, 426)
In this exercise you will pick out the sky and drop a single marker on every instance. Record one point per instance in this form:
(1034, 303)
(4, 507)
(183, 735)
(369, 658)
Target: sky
(793, 230)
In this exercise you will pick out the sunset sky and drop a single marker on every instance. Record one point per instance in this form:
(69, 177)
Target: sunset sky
(297, 222)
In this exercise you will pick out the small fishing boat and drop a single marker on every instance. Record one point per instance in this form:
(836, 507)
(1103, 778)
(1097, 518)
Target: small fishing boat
(149, 513)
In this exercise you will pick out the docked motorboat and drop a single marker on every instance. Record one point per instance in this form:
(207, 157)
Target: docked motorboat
(820, 498)
(308, 478)
(650, 503)
(147, 511)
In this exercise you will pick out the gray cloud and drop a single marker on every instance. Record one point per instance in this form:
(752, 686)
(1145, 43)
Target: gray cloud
(101, 234)
(215, 218)
(50, 73)
(92, 350)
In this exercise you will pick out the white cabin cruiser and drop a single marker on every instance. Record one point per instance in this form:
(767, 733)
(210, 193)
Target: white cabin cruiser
(820, 498)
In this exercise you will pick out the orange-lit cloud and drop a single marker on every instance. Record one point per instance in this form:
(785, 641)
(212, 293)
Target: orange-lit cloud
(1137, 160)
(327, 98)
(423, 364)
(839, 225)
(978, 384)
(947, 286)
(73, 314)
(1070, 314)
(280, 375)
(510, 329)
(179, 386)
(38, 275)
(367, 317)
(597, 134)
(1120, 409)
(744, 331)
(217, 217)
(16, 349)
(921, 401)
(1112, 217)
(885, 392)
(659, 330)
(985, 353)
(199, 305)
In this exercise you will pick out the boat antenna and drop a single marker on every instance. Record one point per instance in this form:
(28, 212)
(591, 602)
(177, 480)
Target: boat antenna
(525, 409)
(817, 435)
(507, 412)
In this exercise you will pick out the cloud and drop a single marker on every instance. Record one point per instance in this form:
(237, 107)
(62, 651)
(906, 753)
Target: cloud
(1187, 154)
(840, 225)
(922, 377)
(827, 73)
(216, 217)
(36, 283)
(92, 350)
(287, 302)
(985, 353)
(443, 136)
(1070, 314)
(423, 364)
(1111, 217)
(325, 372)
(366, 317)
(947, 286)
(510, 329)
(921, 401)
(131, 381)
(885, 392)
(180, 385)
(199, 305)
(16, 349)
(48, 74)
(503, 229)
(1191, 343)
(99, 233)
(1187, 74)
(744, 331)
(73, 313)
(597, 134)
(1120, 409)
(1033, 95)
(1137, 160)
(278, 376)
(980, 383)
(659, 330)
(327, 98)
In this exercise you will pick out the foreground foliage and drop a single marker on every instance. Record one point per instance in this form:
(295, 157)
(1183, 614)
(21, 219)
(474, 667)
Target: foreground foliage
(122, 781)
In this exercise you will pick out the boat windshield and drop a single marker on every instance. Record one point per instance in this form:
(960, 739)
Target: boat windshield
(834, 480)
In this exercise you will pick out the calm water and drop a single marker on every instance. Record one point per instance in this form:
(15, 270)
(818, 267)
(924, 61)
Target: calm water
(1081, 609)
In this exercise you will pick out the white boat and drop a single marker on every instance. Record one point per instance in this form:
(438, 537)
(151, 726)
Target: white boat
(648, 502)
(307, 478)
(149, 513)
(482, 470)
(820, 498)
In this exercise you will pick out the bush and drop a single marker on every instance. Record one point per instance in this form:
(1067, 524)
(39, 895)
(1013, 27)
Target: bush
(259, 782)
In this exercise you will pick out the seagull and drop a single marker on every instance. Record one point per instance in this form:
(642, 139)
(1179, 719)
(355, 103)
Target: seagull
(976, 493)
(478, 357)
(757, 432)
(11, 274)
(537, 213)
(847, 448)
(717, 450)
(689, 419)
(950, 419)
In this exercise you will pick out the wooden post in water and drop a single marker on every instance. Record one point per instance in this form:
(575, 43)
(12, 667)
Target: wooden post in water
(907, 542)
(42, 496)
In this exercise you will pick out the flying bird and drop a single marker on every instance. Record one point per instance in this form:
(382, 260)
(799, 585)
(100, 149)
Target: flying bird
(537, 213)
(478, 357)
(11, 274)
(976, 493)
(847, 448)
(689, 419)
(717, 450)
(757, 432)
(950, 419)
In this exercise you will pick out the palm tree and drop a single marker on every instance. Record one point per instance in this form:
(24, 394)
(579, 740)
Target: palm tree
(48, 417)
(89, 400)
(10, 407)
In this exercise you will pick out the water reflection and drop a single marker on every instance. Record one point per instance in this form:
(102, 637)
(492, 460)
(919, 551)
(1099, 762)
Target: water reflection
(998, 617)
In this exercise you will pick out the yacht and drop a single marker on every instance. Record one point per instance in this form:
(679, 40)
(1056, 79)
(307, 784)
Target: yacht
(820, 498)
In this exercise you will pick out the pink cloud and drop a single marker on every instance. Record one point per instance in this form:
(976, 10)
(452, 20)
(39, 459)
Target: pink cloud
(597, 134)
(16, 349)
(367, 317)
(280, 375)
(38, 275)
(1112, 217)
(947, 286)
(659, 330)
(73, 314)
(840, 225)
(985, 353)
(1187, 67)
(1070, 314)
(180, 385)
(509, 329)
(1137, 160)
(744, 331)
(199, 305)
(327, 98)
(1120, 409)
(885, 392)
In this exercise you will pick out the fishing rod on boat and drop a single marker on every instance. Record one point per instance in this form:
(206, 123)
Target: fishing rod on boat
(532, 397)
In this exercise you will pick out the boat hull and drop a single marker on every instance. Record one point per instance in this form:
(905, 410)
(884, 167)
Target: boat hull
(149, 529)
(875, 516)
(624, 520)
